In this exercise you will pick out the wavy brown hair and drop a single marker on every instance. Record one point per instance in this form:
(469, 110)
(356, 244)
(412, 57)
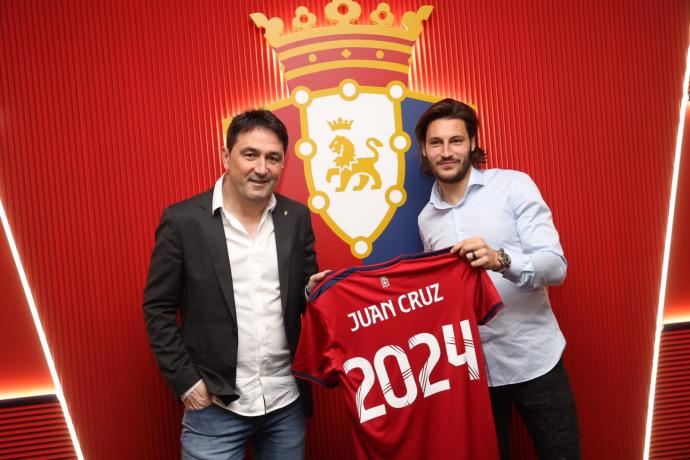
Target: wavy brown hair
(449, 109)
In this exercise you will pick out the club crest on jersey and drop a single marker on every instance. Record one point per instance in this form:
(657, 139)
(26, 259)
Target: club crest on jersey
(347, 85)
(384, 281)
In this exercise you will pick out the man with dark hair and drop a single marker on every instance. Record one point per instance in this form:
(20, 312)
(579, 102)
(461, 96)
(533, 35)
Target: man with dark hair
(498, 220)
(234, 262)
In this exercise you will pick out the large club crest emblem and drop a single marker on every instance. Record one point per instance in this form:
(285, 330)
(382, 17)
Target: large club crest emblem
(354, 162)
(348, 82)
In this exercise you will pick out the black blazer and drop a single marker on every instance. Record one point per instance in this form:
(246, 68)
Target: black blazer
(190, 273)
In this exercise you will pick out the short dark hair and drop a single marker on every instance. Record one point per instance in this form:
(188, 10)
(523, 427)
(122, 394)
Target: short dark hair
(449, 109)
(252, 119)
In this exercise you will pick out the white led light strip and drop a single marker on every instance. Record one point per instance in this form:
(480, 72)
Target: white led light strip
(41, 334)
(667, 253)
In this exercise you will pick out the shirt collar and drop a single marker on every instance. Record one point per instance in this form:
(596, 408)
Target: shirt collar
(477, 179)
(217, 200)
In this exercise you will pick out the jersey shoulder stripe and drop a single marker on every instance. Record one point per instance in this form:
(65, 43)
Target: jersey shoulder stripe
(346, 272)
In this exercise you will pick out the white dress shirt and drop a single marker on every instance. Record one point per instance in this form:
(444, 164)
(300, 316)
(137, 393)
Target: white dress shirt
(523, 341)
(264, 378)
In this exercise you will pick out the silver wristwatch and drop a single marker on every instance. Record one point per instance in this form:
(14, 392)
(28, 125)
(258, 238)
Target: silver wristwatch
(504, 260)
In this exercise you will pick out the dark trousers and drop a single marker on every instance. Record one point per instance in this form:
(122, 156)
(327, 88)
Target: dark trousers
(547, 407)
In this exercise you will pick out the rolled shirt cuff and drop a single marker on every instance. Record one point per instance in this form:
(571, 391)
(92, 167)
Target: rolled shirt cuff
(192, 388)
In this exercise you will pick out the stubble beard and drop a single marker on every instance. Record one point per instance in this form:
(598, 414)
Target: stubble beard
(457, 177)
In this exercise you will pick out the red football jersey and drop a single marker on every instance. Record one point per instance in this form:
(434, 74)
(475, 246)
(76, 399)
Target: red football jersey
(402, 338)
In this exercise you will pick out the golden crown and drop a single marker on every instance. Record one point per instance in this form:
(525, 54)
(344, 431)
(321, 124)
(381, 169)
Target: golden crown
(340, 124)
(380, 49)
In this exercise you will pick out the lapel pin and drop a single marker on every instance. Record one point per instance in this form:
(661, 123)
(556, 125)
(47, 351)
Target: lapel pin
(285, 212)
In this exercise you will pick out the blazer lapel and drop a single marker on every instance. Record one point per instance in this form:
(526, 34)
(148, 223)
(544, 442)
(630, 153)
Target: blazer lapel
(212, 229)
(282, 227)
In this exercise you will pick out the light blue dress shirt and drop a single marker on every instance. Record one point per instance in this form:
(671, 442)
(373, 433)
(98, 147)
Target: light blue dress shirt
(523, 341)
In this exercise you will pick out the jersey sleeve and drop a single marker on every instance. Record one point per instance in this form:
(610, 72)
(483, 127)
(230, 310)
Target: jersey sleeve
(314, 359)
(488, 302)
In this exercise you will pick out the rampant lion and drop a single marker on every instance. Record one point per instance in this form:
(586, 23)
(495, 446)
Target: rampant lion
(349, 164)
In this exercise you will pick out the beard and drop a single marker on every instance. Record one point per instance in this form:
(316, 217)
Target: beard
(455, 178)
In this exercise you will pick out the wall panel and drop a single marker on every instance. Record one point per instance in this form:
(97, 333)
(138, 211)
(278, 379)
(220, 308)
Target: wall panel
(670, 437)
(24, 369)
(111, 110)
(677, 302)
(34, 427)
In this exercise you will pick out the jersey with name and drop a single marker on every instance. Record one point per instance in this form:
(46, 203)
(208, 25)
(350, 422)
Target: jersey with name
(402, 339)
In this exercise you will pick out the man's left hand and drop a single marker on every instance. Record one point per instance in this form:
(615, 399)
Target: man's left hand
(478, 253)
(316, 279)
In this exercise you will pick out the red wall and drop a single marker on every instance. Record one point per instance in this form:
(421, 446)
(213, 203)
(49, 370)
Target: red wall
(111, 110)
(677, 304)
(23, 368)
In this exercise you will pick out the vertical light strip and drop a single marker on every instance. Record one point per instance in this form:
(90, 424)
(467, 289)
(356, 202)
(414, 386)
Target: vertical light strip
(667, 254)
(39, 329)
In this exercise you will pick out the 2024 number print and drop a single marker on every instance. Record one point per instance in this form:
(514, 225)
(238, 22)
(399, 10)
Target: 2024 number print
(428, 387)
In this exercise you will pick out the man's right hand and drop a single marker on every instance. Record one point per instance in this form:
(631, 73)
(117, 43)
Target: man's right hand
(478, 252)
(198, 399)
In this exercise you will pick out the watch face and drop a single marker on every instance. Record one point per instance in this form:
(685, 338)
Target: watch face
(504, 259)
